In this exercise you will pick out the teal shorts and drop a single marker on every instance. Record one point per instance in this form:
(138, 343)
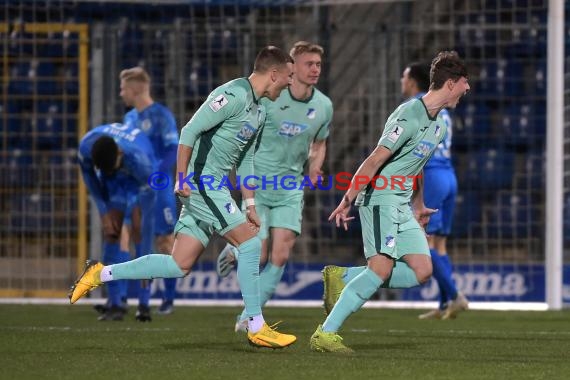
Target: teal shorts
(207, 211)
(279, 210)
(392, 231)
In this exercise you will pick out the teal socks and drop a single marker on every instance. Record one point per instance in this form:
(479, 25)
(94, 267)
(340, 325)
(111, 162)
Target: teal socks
(402, 277)
(146, 268)
(268, 280)
(352, 272)
(354, 295)
(248, 275)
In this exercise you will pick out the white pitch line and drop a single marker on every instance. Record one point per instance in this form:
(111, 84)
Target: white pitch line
(504, 306)
(479, 332)
(82, 329)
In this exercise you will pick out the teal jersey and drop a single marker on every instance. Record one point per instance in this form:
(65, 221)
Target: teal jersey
(223, 131)
(412, 136)
(291, 126)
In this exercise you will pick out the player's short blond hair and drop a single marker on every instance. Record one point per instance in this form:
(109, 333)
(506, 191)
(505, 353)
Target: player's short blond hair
(301, 47)
(135, 74)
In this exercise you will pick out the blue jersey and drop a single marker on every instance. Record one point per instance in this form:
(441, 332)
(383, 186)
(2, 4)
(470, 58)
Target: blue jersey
(442, 155)
(158, 123)
(137, 164)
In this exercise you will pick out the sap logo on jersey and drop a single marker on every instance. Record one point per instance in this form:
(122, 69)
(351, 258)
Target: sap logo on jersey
(290, 129)
(246, 132)
(423, 149)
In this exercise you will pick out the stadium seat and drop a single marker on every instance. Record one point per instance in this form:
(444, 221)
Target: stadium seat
(533, 176)
(70, 79)
(20, 168)
(467, 213)
(513, 215)
(501, 78)
(471, 123)
(491, 169)
(32, 212)
(538, 87)
(49, 125)
(517, 124)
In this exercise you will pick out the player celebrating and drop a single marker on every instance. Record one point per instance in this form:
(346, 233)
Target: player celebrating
(211, 144)
(296, 130)
(440, 190)
(395, 245)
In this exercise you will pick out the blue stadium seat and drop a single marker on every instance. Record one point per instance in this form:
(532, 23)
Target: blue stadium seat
(500, 77)
(20, 169)
(49, 125)
(70, 84)
(131, 40)
(199, 79)
(517, 124)
(31, 77)
(32, 212)
(513, 215)
(533, 175)
(62, 167)
(491, 169)
(467, 215)
(472, 123)
(538, 82)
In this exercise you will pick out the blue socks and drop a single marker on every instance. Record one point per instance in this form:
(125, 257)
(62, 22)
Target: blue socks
(354, 295)
(442, 274)
(124, 256)
(169, 289)
(111, 256)
(248, 275)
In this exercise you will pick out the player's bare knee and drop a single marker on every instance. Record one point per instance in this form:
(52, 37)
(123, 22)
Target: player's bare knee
(423, 273)
(164, 244)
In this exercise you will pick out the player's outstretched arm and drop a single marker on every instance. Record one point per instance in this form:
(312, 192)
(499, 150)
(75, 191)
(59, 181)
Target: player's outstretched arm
(421, 212)
(360, 180)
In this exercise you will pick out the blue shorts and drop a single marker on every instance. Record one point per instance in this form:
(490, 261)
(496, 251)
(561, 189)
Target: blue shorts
(165, 212)
(122, 193)
(440, 190)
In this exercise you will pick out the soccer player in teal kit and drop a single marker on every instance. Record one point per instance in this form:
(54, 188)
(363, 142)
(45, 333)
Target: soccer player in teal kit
(395, 244)
(211, 144)
(295, 131)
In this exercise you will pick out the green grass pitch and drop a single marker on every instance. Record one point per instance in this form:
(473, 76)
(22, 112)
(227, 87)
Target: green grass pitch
(67, 342)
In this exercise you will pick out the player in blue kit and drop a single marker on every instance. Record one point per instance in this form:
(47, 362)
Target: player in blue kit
(116, 161)
(440, 190)
(158, 123)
